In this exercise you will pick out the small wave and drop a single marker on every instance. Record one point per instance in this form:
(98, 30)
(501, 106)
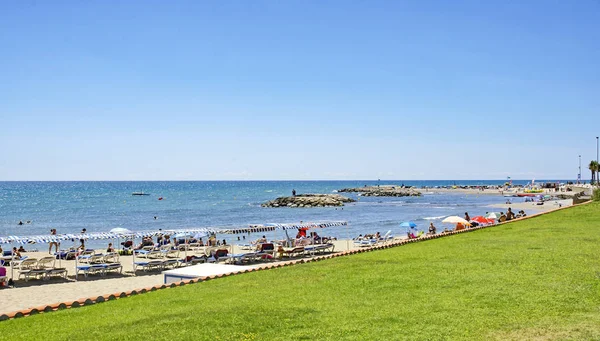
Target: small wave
(269, 190)
(334, 191)
(434, 218)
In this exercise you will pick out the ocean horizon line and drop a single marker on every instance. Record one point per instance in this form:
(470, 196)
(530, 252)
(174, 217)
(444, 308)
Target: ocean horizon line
(308, 180)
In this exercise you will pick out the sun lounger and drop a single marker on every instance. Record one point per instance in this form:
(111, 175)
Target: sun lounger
(267, 248)
(191, 260)
(293, 252)
(144, 251)
(245, 246)
(365, 243)
(66, 254)
(148, 265)
(170, 263)
(85, 256)
(45, 268)
(172, 253)
(101, 264)
(89, 269)
(319, 248)
(111, 263)
(248, 257)
(25, 268)
(221, 255)
(387, 237)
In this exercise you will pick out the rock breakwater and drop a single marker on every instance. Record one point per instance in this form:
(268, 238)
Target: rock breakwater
(309, 200)
(384, 191)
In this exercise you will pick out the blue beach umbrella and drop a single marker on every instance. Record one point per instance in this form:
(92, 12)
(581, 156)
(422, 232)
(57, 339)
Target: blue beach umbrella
(410, 224)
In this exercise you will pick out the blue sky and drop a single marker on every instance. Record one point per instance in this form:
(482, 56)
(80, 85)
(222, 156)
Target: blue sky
(156, 90)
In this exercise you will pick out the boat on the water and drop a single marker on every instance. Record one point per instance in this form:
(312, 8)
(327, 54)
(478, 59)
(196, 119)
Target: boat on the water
(140, 193)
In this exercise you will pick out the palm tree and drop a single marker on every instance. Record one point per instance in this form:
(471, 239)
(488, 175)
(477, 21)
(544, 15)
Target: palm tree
(593, 167)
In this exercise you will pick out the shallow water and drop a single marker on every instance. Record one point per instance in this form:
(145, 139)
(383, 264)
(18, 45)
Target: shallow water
(100, 206)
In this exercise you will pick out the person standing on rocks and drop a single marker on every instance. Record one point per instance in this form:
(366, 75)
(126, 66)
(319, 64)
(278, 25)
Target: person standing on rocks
(293, 192)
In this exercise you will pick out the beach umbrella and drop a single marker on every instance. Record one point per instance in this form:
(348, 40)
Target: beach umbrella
(493, 215)
(482, 220)
(121, 230)
(456, 220)
(410, 224)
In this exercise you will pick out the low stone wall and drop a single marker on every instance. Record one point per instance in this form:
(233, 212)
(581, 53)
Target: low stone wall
(309, 200)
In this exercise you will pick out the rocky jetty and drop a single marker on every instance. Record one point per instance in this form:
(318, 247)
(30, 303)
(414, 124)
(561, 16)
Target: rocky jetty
(309, 200)
(384, 191)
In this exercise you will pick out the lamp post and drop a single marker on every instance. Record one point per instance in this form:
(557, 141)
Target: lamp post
(579, 175)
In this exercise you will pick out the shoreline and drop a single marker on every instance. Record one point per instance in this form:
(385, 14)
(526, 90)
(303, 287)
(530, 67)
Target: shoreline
(36, 293)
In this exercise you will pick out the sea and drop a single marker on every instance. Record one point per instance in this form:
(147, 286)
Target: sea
(99, 206)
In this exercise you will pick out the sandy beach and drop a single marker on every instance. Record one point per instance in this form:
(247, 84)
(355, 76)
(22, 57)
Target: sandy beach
(37, 292)
(533, 206)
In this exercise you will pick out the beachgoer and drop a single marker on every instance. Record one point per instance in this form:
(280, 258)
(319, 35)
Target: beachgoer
(110, 248)
(224, 242)
(54, 243)
(502, 217)
(467, 218)
(82, 240)
(16, 253)
(293, 192)
(377, 235)
(21, 249)
(431, 228)
(510, 214)
(20, 222)
(155, 217)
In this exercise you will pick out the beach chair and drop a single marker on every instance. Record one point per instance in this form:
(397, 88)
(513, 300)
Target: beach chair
(172, 253)
(148, 265)
(387, 237)
(26, 267)
(293, 252)
(221, 255)
(245, 246)
(170, 263)
(320, 248)
(45, 268)
(144, 251)
(191, 260)
(89, 269)
(268, 248)
(365, 242)
(66, 254)
(111, 263)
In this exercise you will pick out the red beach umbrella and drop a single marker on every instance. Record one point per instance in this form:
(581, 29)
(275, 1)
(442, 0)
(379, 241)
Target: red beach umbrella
(482, 220)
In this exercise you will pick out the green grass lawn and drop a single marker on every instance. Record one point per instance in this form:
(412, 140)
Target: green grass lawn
(537, 279)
